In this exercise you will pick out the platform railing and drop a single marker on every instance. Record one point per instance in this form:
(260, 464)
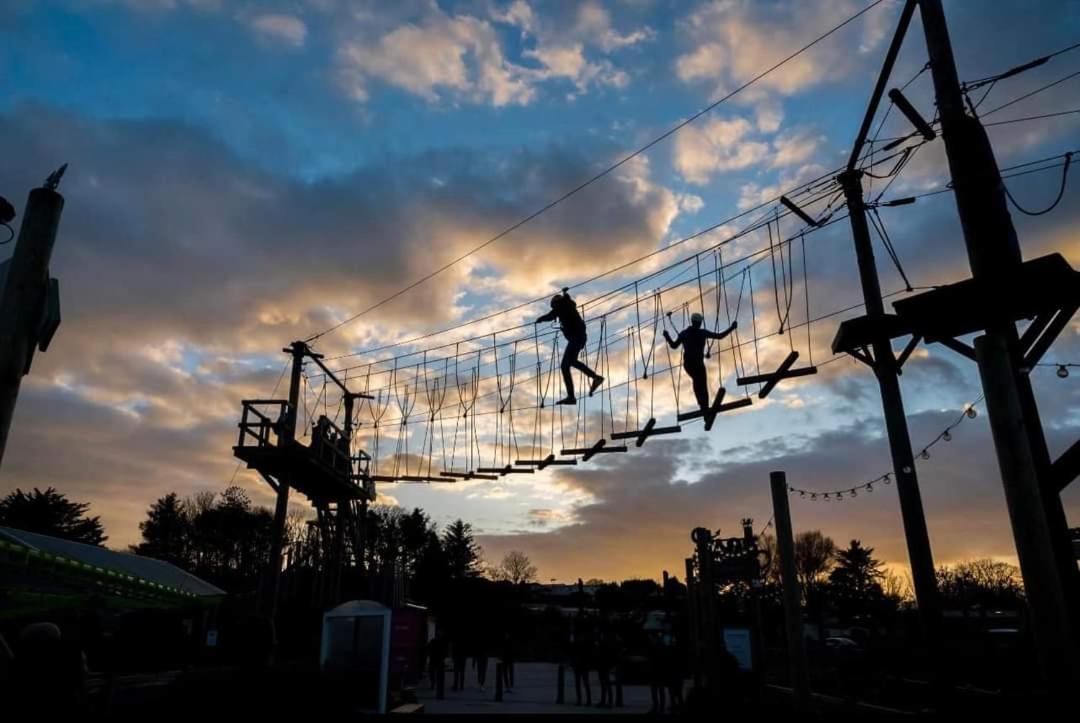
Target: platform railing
(263, 428)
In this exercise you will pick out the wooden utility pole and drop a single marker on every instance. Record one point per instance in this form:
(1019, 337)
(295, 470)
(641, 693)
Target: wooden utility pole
(29, 299)
(286, 437)
(886, 371)
(785, 545)
(994, 255)
(879, 356)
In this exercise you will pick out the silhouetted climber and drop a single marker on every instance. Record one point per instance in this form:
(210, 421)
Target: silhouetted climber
(693, 339)
(565, 310)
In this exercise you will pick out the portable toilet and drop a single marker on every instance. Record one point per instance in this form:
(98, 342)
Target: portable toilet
(356, 649)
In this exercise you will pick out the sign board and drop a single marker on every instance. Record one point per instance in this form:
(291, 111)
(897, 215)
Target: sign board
(737, 642)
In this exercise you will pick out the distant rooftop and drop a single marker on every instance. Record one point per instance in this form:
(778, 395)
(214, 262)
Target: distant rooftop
(156, 572)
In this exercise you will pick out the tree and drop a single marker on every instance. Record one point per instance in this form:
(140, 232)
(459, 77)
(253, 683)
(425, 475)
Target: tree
(166, 532)
(516, 568)
(51, 513)
(463, 555)
(855, 581)
(813, 558)
(988, 583)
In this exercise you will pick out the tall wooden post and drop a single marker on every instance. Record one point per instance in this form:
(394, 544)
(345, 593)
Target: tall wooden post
(886, 371)
(286, 438)
(706, 596)
(994, 255)
(24, 289)
(785, 545)
(692, 612)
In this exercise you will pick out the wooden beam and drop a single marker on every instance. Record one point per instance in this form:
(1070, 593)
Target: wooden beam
(862, 356)
(911, 346)
(959, 347)
(773, 378)
(650, 429)
(588, 452)
(549, 461)
(508, 469)
(1066, 468)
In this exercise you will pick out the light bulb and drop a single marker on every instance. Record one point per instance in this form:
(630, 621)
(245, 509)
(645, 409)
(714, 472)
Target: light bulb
(869, 488)
(888, 479)
(925, 454)
(947, 437)
(906, 469)
(1063, 371)
(826, 495)
(813, 496)
(971, 413)
(854, 493)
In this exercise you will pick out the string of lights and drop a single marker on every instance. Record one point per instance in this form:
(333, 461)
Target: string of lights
(838, 495)
(1062, 367)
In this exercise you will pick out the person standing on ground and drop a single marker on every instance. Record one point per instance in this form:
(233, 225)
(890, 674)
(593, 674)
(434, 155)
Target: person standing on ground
(604, 662)
(506, 655)
(436, 657)
(480, 659)
(656, 673)
(458, 653)
(580, 653)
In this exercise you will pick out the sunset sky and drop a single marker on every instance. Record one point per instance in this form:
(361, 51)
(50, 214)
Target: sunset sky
(243, 174)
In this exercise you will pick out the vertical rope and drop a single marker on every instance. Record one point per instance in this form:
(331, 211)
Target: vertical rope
(753, 317)
(806, 293)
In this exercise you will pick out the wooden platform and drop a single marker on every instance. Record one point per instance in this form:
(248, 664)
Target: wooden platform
(310, 476)
(1039, 287)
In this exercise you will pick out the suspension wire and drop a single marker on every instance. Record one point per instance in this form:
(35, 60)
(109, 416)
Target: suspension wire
(753, 318)
(1056, 201)
(760, 258)
(748, 342)
(806, 293)
(825, 179)
(676, 379)
(879, 225)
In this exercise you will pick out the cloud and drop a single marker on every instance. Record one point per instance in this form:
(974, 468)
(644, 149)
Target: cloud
(732, 42)
(287, 30)
(448, 56)
(644, 506)
(791, 149)
(722, 145)
(440, 53)
(184, 269)
(717, 146)
(519, 14)
(594, 21)
(569, 62)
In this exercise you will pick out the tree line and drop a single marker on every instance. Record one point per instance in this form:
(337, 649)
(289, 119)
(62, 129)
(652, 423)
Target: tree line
(225, 539)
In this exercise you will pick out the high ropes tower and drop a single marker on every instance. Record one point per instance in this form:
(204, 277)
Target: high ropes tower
(328, 471)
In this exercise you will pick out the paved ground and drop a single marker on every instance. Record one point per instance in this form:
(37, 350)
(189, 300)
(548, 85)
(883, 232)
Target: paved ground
(534, 692)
